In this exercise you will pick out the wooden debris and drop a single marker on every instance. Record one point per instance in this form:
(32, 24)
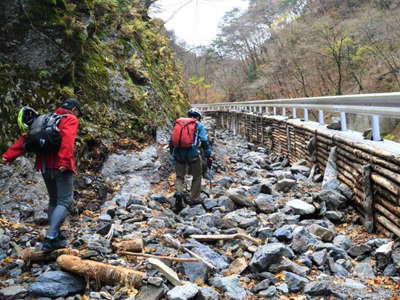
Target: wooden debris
(224, 237)
(177, 259)
(135, 245)
(175, 243)
(166, 271)
(101, 272)
(29, 255)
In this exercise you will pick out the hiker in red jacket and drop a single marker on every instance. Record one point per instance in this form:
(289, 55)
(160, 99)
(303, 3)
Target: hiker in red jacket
(58, 169)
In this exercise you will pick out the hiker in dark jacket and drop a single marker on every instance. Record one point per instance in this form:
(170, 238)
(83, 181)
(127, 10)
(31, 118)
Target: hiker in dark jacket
(188, 160)
(58, 169)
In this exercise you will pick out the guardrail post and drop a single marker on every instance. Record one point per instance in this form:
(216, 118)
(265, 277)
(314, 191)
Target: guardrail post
(274, 110)
(305, 114)
(321, 117)
(376, 132)
(284, 111)
(343, 121)
(294, 113)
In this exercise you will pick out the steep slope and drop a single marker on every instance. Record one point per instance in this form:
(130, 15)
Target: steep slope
(107, 53)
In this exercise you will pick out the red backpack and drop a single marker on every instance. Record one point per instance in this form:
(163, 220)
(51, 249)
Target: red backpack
(184, 133)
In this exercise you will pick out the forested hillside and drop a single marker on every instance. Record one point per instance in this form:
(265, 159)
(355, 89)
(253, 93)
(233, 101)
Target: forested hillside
(109, 54)
(299, 48)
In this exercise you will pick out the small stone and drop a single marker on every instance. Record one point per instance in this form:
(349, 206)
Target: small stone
(183, 292)
(283, 288)
(263, 285)
(207, 293)
(390, 270)
(297, 169)
(333, 199)
(318, 288)
(320, 257)
(231, 286)
(364, 269)
(156, 281)
(353, 284)
(269, 292)
(301, 207)
(13, 292)
(238, 196)
(343, 241)
(238, 266)
(210, 204)
(265, 203)
(105, 217)
(323, 233)
(358, 250)
(295, 282)
(269, 254)
(284, 233)
(284, 185)
(195, 271)
(149, 292)
(302, 240)
(334, 216)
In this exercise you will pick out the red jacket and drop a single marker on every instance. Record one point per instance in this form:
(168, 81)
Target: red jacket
(68, 127)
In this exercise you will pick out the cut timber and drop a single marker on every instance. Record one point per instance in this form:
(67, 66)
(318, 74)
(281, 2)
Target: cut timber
(135, 245)
(225, 237)
(388, 224)
(29, 255)
(167, 271)
(178, 259)
(101, 272)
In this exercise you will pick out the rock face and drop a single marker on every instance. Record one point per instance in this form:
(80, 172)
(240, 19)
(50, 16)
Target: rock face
(57, 284)
(48, 58)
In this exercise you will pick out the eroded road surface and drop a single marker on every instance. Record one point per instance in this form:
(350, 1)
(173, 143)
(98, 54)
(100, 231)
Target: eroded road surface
(296, 240)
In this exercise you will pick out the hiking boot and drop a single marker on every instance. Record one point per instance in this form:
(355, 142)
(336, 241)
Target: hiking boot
(179, 202)
(53, 244)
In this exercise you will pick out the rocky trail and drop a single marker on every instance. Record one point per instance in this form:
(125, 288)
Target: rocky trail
(265, 231)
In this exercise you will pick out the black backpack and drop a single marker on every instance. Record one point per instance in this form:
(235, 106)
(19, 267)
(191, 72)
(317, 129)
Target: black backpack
(44, 135)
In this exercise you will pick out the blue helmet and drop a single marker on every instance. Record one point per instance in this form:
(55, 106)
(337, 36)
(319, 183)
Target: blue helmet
(193, 113)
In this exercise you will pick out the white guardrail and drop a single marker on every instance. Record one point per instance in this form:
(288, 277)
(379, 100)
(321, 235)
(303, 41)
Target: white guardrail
(373, 105)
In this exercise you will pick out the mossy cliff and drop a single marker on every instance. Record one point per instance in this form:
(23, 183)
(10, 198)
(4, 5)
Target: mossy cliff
(107, 53)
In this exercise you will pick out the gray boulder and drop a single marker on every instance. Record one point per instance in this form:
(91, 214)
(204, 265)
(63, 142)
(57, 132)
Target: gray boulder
(57, 284)
(13, 292)
(295, 282)
(269, 254)
(301, 207)
(183, 292)
(231, 286)
(265, 203)
(323, 233)
(318, 288)
(302, 240)
(207, 293)
(219, 261)
(239, 196)
(332, 198)
(284, 185)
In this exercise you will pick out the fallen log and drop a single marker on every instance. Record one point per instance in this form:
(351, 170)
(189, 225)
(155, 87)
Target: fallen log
(225, 237)
(29, 255)
(101, 272)
(135, 245)
(177, 259)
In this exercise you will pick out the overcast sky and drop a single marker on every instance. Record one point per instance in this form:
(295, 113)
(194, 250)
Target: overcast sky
(197, 22)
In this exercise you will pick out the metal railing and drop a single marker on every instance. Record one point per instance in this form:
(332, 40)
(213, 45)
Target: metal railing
(373, 105)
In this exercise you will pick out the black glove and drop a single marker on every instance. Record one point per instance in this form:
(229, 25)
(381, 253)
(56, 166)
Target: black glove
(209, 162)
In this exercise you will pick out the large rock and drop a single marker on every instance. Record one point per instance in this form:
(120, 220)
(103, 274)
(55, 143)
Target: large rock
(149, 292)
(298, 169)
(269, 254)
(183, 292)
(343, 241)
(57, 284)
(231, 286)
(301, 207)
(364, 269)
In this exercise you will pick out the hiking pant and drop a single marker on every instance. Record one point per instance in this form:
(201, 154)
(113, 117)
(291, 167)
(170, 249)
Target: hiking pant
(60, 187)
(193, 168)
